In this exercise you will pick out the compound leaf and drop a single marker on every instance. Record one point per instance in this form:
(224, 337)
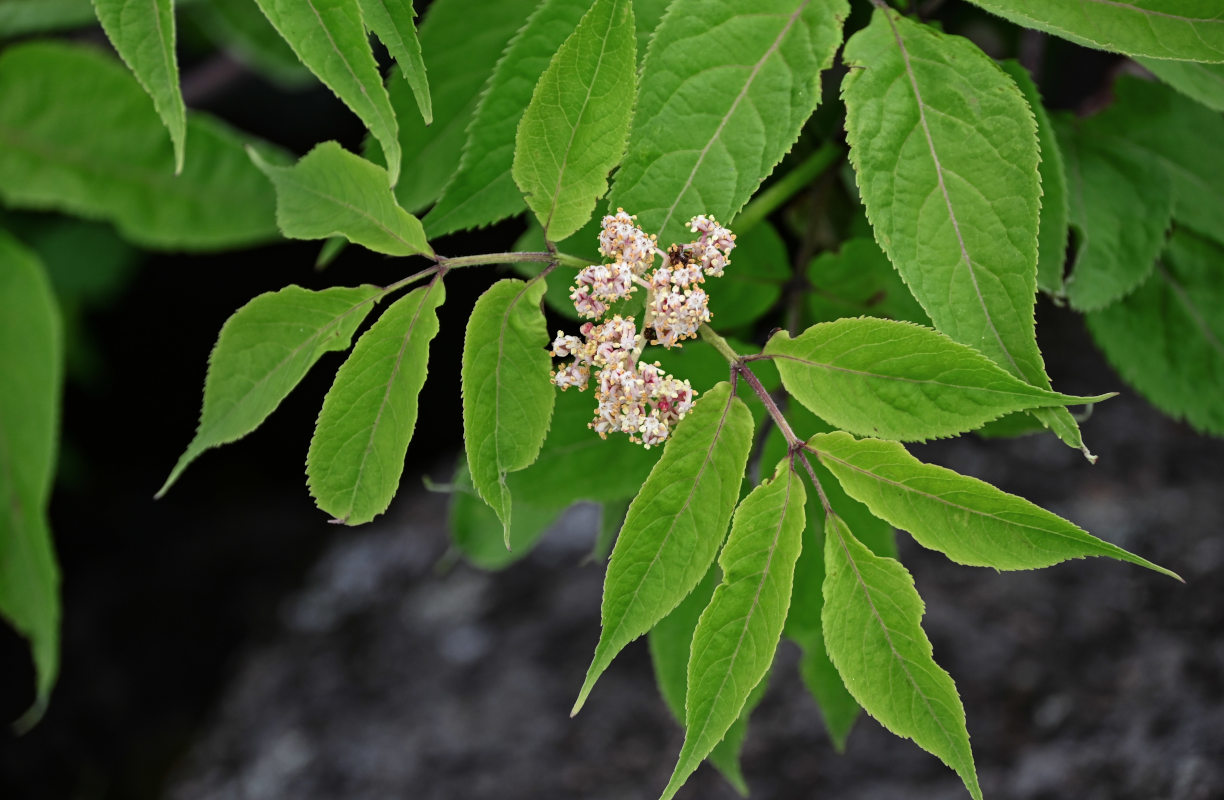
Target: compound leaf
(392, 22)
(1201, 82)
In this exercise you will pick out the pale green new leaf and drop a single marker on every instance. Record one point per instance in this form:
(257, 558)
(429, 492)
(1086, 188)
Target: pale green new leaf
(737, 635)
(357, 452)
(263, 351)
(507, 389)
(1190, 30)
(479, 535)
(675, 525)
(1201, 82)
(332, 192)
(897, 380)
(574, 129)
(143, 35)
(858, 280)
(78, 134)
(1167, 338)
(725, 88)
(872, 625)
(31, 378)
(969, 521)
(329, 37)
(392, 22)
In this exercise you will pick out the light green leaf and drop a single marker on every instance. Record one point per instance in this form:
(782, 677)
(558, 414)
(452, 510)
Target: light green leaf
(31, 374)
(969, 521)
(21, 17)
(872, 625)
(675, 525)
(143, 35)
(574, 129)
(329, 37)
(738, 632)
(77, 134)
(1191, 30)
(1201, 82)
(507, 390)
(1121, 207)
(239, 27)
(357, 452)
(263, 351)
(332, 192)
(1167, 338)
(858, 280)
(392, 22)
(478, 533)
(725, 89)
(897, 380)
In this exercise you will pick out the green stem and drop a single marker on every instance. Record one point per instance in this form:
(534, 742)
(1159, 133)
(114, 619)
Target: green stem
(720, 344)
(783, 189)
(493, 258)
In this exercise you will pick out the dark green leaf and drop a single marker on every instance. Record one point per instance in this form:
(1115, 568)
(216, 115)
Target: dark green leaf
(242, 29)
(479, 534)
(859, 280)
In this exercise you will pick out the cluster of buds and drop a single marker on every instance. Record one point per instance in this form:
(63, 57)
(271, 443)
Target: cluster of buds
(635, 397)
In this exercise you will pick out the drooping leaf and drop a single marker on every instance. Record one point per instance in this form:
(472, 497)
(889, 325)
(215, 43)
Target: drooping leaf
(737, 635)
(1167, 338)
(392, 22)
(329, 37)
(31, 377)
(240, 28)
(675, 525)
(507, 391)
(872, 626)
(478, 533)
(1191, 30)
(858, 280)
(897, 380)
(332, 192)
(357, 452)
(78, 134)
(1201, 82)
(263, 351)
(574, 129)
(143, 35)
(1121, 207)
(725, 89)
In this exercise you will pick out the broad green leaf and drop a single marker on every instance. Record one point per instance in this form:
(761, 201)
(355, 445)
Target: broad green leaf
(78, 134)
(20, 17)
(143, 35)
(1052, 236)
(31, 377)
(897, 380)
(240, 28)
(675, 525)
(263, 351)
(332, 192)
(725, 89)
(872, 626)
(1167, 338)
(357, 452)
(1121, 207)
(507, 391)
(969, 521)
(1190, 30)
(858, 280)
(329, 37)
(574, 129)
(392, 22)
(478, 533)
(1201, 82)
(758, 269)
(737, 635)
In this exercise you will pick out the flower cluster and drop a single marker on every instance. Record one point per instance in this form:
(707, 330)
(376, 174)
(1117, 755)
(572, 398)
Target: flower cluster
(635, 397)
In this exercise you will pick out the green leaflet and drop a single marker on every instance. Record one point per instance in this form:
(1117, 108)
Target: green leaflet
(77, 134)
(478, 534)
(737, 635)
(1052, 235)
(332, 192)
(969, 521)
(31, 374)
(483, 191)
(675, 525)
(357, 452)
(1201, 82)
(330, 39)
(391, 21)
(1121, 207)
(143, 34)
(872, 626)
(239, 27)
(1192, 30)
(574, 129)
(263, 351)
(1167, 338)
(725, 89)
(897, 380)
(858, 280)
(507, 391)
